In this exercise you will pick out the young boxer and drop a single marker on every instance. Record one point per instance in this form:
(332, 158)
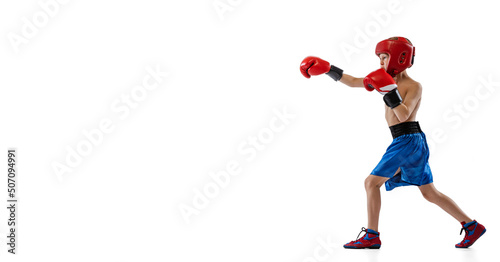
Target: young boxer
(405, 162)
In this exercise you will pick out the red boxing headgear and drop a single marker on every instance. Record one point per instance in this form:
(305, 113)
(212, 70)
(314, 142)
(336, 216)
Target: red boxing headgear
(401, 54)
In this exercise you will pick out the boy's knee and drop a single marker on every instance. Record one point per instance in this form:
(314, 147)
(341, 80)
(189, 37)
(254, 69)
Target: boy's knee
(372, 183)
(431, 196)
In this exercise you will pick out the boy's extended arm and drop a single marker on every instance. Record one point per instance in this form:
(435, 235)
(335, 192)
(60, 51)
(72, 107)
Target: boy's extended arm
(312, 66)
(351, 81)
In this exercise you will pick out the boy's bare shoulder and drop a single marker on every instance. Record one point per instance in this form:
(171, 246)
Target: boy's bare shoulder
(411, 84)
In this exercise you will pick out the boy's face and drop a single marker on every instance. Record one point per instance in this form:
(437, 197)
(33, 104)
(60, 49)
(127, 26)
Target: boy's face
(384, 60)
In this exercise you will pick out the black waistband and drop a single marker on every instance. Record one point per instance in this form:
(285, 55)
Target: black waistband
(405, 128)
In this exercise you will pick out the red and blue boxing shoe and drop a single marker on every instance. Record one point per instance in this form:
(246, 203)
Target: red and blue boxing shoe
(473, 231)
(370, 240)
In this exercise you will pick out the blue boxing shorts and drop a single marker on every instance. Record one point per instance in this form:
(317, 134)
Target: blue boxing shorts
(409, 153)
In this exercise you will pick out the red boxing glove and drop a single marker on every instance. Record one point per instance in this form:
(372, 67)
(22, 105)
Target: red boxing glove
(312, 65)
(385, 84)
(380, 80)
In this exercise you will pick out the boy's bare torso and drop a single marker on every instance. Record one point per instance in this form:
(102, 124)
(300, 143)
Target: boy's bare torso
(403, 86)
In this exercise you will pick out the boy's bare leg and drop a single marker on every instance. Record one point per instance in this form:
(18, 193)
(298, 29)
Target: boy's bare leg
(447, 204)
(374, 201)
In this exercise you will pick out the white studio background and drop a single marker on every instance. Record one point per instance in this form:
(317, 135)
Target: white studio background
(137, 103)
